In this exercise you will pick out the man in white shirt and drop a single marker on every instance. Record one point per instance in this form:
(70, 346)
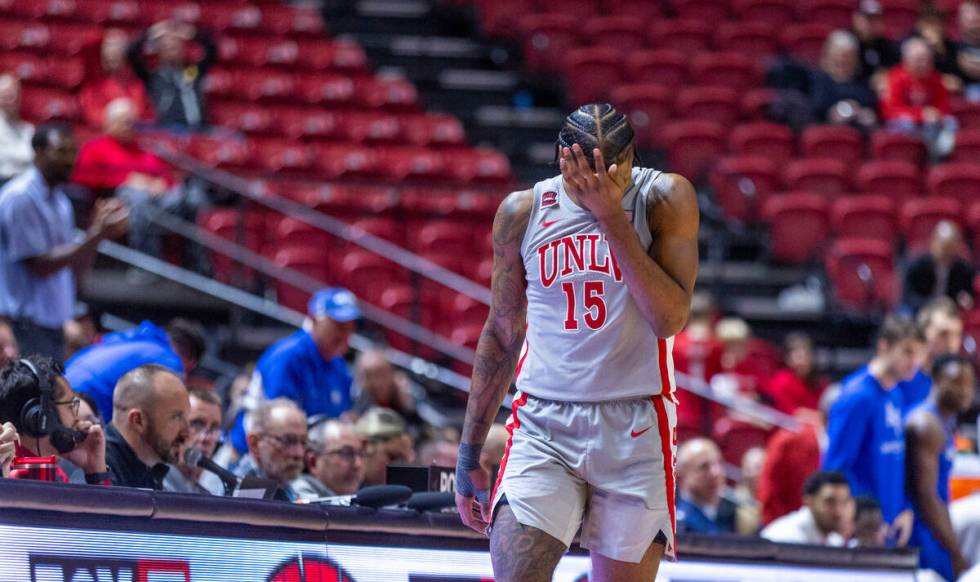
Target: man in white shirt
(16, 153)
(827, 507)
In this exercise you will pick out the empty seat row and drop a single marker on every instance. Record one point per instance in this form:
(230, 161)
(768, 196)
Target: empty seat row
(327, 90)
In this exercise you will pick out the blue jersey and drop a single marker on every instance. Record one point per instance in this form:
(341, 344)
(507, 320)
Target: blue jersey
(867, 442)
(96, 369)
(915, 391)
(293, 368)
(932, 554)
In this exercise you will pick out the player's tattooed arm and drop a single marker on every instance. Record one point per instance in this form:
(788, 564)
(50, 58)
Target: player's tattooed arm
(503, 333)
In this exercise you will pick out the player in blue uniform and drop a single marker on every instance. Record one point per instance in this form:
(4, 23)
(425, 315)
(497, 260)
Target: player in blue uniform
(865, 429)
(930, 450)
(942, 327)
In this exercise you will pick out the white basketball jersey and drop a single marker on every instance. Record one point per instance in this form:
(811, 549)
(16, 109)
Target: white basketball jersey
(586, 338)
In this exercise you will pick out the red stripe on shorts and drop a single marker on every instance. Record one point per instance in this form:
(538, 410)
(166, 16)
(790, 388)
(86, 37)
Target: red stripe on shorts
(511, 425)
(666, 442)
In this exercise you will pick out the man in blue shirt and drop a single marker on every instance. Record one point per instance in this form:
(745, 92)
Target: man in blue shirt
(96, 369)
(865, 430)
(929, 433)
(308, 366)
(701, 505)
(942, 327)
(40, 254)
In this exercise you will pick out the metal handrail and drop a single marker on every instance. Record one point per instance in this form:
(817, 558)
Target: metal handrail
(271, 310)
(304, 282)
(329, 224)
(739, 404)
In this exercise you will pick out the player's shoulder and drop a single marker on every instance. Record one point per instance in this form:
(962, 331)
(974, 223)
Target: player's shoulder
(922, 422)
(515, 209)
(671, 200)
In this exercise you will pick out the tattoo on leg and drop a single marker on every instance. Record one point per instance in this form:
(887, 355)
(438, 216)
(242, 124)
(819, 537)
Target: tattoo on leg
(521, 553)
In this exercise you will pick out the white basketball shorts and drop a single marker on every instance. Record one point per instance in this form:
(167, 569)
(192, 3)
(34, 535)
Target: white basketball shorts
(607, 467)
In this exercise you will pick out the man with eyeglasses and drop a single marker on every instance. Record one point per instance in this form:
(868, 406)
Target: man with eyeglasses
(204, 422)
(335, 461)
(277, 440)
(149, 426)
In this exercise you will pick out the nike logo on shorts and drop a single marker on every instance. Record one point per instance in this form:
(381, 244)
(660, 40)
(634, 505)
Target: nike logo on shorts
(637, 433)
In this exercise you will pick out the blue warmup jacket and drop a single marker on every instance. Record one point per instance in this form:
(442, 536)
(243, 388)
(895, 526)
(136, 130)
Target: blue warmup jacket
(932, 555)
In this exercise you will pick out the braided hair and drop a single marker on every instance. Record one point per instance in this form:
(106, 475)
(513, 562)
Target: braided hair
(599, 125)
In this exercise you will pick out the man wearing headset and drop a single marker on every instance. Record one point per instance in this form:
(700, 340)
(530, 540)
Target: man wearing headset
(40, 404)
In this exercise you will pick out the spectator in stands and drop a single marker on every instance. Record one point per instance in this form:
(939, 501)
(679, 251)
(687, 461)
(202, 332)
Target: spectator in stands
(204, 430)
(931, 27)
(176, 86)
(799, 384)
(39, 251)
(8, 343)
(97, 370)
(866, 433)
(870, 529)
(916, 100)
(824, 518)
(308, 366)
(701, 508)
(377, 383)
(697, 353)
(335, 461)
(739, 374)
(968, 49)
(107, 78)
(8, 447)
(277, 440)
(942, 327)
(439, 451)
(790, 457)
(149, 426)
(16, 153)
(940, 272)
(930, 446)
(745, 494)
(37, 400)
(388, 442)
(493, 447)
(877, 52)
(837, 91)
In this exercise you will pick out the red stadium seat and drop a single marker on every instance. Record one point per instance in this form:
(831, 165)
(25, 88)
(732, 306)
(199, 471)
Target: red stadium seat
(973, 224)
(481, 166)
(220, 153)
(743, 184)
(776, 13)
(306, 260)
(293, 20)
(834, 13)
(862, 272)
(665, 66)
(251, 119)
(920, 216)
(893, 178)
(405, 302)
(258, 51)
(413, 163)
(955, 180)
(282, 157)
(688, 35)
(756, 103)
(364, 270)
(712, 103)
(769, 140)
(390, 229)
(433, 129)
(115, 13)
(736, 438)
(222, 83)
(832, 141)
(467, 335)
(346, 161)
(330, 90)
(967, 146)
(732, 69)
(336, 55)
(623, 33)
(28, 67)
(547, 37)
(693, 145)
(648, 105)
(968, 114)
(643, 11)
(899, 16)
(892, 145)
(309, 124)
(39, 104)
(467, 311)
(805, 41)
(373, 128)
(749, 37)
(501, 17)
(591, 73)
(867, 216)
(224, 222)
(388, 93)
(443, 236)
(798, 226)
(294, 233)
(825, 176)
(706, 10)
(24, 35)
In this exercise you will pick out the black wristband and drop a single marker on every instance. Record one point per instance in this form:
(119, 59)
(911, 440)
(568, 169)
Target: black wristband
(97, 478)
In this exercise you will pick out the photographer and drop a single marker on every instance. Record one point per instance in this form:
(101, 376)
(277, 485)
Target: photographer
(37, 400)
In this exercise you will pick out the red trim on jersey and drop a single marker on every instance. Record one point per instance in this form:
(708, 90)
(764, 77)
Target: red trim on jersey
(666, 446)
(520, 364)
(511, 425)
(665, 386)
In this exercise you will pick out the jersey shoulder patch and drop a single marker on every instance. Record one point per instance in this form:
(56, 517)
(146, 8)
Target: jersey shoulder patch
(549, 199)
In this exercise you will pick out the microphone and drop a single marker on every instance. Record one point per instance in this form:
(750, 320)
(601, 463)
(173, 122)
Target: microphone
(377, 496)
(431, 501)
(195, 457)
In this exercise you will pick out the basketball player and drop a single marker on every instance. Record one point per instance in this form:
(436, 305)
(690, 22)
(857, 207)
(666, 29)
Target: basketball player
(597, 267)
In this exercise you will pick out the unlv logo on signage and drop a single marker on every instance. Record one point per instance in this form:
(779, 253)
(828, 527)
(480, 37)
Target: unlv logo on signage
(46, 568)
(309, 569)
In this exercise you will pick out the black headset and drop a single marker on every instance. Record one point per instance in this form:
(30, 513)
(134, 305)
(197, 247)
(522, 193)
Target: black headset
(39, 417)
